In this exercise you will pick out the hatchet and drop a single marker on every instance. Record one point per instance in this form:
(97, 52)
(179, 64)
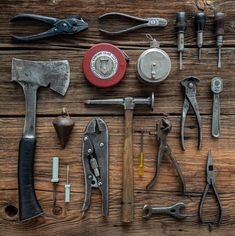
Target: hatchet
(31, 75)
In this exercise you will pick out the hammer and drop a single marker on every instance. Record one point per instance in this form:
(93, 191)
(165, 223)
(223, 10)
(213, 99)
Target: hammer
(128, 176)
(31, 75)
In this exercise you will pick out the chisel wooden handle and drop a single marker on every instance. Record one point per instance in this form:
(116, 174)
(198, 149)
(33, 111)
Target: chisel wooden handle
(28, 203)
(128, 174)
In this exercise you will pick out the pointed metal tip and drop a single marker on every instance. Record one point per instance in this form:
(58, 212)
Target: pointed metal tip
(199, 54)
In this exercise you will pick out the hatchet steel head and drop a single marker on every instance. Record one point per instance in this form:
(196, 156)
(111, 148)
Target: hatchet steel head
(55, 74)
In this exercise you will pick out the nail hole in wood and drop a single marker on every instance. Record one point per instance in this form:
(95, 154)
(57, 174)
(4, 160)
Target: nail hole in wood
(11, 210)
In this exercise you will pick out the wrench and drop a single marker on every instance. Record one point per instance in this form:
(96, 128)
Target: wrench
(173, 210)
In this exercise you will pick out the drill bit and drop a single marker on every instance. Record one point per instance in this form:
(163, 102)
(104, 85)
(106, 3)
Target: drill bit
(141, 158)
(55, 177)
(219, 30)
(67, 187)
(200, 25)
(180, 27)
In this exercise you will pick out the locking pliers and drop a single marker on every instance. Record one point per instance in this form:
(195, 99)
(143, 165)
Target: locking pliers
(190, 85)
(144, 22)
(69, 25)
(165, 150)
(95, 162)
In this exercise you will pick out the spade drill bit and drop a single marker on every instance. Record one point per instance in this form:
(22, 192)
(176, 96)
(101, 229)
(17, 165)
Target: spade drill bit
(180, 27)
(219, 31)
(200, 25)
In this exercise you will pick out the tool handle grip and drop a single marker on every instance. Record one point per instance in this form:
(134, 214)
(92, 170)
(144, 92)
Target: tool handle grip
(200, 21)
(28, 203)
(128, 174)
(181, 22)
(219, 23)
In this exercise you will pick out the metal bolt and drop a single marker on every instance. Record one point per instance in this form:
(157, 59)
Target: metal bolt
(64, 25)
(190, 85)
(85, 138)
(101, 144)
(99, 183)
(89, 151)
(89, 176)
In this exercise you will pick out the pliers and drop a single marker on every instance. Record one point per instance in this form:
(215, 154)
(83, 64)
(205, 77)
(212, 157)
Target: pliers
(144, 22)
(69, 25)
(165, 150)
(190, 85)
(95, 162)
(210, 182)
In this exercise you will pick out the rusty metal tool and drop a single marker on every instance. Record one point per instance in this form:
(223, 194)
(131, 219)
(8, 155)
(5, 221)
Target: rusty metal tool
(200, 22)
(55, 178)
(190, 84)
(129, 104)
(210, 182)
(95, 162)
(216, 88)
(180, 28)
(164, 149)
(141, 157)
(31, 75)
(219, 31)
(173, 210)
(70, 25)
(144, 22)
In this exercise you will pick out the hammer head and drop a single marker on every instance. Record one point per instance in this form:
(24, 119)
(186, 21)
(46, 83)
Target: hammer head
(55, 74)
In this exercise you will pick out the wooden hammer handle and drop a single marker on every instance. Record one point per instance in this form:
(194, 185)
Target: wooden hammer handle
(128, 174)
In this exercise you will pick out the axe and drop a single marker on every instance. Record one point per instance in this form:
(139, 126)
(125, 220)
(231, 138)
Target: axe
(31, 75)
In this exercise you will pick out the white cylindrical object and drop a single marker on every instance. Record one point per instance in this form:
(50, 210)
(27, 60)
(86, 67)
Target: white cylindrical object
(67, 193)
(55, 170)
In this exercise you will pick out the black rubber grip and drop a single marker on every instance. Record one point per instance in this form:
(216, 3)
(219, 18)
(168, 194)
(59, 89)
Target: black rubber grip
(200, 21)
(28, 203)
(181, 22)
(219, 23)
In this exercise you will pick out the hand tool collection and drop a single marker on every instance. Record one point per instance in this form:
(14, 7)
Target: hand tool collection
(104, 65)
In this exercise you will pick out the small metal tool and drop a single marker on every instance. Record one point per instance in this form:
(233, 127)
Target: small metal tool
(200, 21)
(154, 64)
(70, 25)
(164, 150)
(67, 187)
(219, 31)
(210, 182)
(141, 157)
(129, 104)
(180, 28)
(174, 211)
(190, 85)
(216, 88)
(55, 177)
(144, 22)
(95, 162)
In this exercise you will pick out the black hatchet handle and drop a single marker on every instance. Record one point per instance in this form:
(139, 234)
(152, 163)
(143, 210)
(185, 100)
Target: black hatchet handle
(28, 203)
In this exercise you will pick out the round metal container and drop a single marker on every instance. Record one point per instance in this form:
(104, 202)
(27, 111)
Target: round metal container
(104, 65)
(153, 66)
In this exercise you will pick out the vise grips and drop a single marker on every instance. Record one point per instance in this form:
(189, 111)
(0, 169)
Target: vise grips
(95, 162)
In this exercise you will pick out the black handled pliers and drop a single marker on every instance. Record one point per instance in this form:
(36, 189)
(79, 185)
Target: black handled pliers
(165, 150)
(190, 86)
(210, 182)
(69, 25)
(144, 22)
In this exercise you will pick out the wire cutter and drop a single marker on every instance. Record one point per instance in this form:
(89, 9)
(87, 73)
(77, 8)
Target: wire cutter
(144, 22)
(95, 162)
(165, 150)
(210, 182)
(70, 25)
(190, 85)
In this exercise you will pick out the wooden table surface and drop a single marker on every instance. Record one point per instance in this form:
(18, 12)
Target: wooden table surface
(169, 99)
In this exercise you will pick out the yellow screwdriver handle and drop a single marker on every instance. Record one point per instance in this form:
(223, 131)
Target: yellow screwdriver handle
(141, 164)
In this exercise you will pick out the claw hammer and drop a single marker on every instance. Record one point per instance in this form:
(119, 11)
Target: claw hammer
(129, 104)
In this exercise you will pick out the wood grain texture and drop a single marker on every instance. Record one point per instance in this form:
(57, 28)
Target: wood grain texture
(169, 99)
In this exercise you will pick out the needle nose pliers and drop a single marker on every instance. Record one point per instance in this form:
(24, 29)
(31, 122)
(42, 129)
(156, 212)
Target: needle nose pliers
(69, 25)
(190, 85)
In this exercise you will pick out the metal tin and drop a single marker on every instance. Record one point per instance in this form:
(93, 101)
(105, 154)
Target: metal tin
(104, 65)
(153, 65)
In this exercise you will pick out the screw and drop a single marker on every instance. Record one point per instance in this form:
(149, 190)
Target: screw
(101, 144)
(99, 183)
(89, 151)
(89, 176)
(85, 138)
(190, 85)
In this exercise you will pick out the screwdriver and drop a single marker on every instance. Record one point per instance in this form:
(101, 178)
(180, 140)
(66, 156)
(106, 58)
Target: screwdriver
(180, 27)
(219, 30)
(55, 177)
(141, 158)
(67, 188)
(200, 25)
